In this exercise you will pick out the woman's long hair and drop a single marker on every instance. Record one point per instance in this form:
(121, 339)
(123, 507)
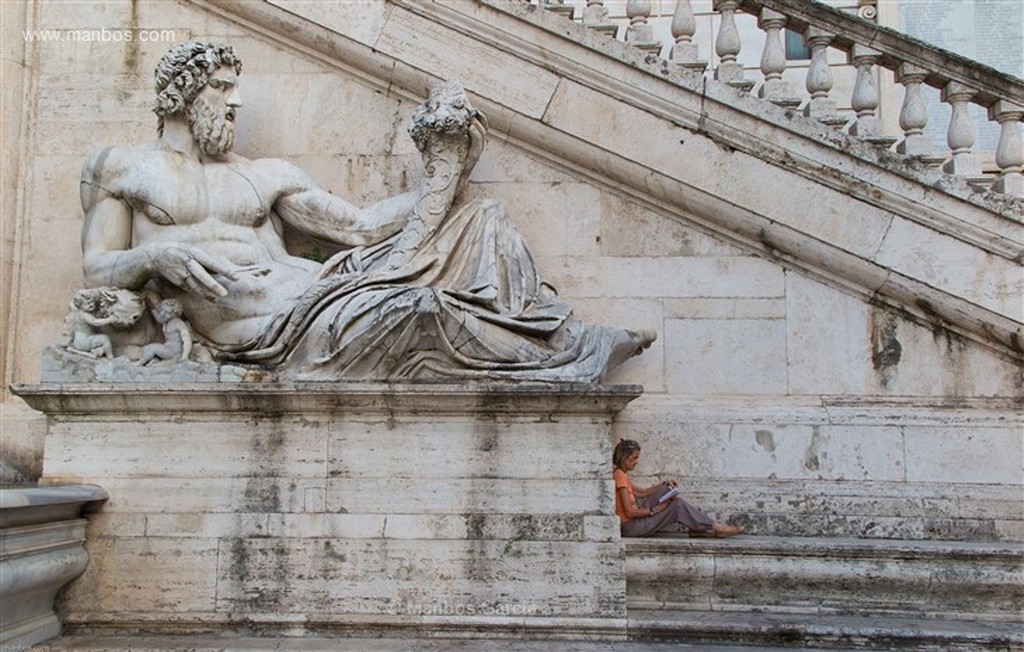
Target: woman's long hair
(623, 450)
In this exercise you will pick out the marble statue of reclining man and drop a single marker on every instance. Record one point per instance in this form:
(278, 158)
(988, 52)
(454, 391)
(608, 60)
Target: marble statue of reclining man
(426, 287)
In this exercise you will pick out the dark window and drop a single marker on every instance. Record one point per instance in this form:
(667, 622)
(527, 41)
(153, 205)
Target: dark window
(795, 48)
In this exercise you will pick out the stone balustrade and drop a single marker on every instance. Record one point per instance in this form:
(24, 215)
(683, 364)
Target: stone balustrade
(869, 47)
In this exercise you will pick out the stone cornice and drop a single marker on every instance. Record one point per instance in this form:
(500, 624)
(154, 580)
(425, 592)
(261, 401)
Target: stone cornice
(126, 401)
(831, 410)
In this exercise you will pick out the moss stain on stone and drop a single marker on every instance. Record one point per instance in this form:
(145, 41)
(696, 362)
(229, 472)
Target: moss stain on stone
(886, 350)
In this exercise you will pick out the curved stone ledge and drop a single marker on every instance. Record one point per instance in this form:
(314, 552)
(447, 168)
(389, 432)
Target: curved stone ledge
(33, 505)
(42, 541)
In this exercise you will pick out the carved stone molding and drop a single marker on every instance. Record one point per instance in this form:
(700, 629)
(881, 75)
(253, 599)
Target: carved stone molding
(133, 400)
(42, 537)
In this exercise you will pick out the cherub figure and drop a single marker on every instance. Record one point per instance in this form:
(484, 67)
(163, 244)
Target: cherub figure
(88, 313)
(177, 344)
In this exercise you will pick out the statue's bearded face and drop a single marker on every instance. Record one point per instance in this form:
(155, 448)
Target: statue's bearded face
(211, 115)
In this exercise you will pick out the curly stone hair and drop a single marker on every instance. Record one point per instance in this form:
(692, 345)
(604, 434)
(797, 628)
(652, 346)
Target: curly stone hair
(183, 71)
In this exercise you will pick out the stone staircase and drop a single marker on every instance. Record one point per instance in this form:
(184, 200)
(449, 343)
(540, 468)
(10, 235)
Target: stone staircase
(827, 592)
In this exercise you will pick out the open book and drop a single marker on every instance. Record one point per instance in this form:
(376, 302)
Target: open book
(674, 491)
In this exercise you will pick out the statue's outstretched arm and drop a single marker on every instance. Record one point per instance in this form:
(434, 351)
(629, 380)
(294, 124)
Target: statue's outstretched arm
(317, 212)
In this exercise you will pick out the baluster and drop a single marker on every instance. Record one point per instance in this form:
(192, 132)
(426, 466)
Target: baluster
(1010, 150)
(773, 61)
(727, 47)
(684, 26)
(914, 116)
(595, 16)
(819, 79)
(639, 34)
(960, 135)
(866, 97)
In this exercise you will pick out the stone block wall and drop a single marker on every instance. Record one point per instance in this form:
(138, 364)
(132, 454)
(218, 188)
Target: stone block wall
(840, 468)
(325, 508)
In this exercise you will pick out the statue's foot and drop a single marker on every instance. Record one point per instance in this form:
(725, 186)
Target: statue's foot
(628, 344)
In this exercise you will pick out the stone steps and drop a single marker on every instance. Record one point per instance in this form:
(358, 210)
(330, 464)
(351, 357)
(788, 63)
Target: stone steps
(201, 643)
(852, 593)
(802, 632)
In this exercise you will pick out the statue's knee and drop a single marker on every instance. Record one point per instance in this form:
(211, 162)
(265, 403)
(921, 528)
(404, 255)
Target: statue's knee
(492, 209)
(426, 301)
(491, 205)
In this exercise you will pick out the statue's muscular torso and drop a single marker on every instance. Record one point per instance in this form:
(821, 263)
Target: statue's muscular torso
(222, 208)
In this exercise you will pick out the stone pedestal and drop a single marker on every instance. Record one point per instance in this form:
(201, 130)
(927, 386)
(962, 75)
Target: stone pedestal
(330, 508)
(41, 549)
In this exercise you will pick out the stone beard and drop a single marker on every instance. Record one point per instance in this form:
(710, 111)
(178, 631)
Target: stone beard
(213, 129)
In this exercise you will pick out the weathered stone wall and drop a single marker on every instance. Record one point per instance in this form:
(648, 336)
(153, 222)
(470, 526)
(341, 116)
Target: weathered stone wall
(344, 509)
(21, 445)
(831, 466)
(926, 437)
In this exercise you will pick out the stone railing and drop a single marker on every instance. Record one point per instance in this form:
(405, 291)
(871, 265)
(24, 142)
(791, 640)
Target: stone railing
(868, 48)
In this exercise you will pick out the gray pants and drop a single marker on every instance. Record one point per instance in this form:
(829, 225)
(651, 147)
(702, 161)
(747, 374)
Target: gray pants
(678, 511)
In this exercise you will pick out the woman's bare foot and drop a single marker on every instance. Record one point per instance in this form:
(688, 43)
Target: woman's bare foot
(722, 531)
(718, 531)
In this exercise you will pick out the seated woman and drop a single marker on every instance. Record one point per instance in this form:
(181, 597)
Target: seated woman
(642, 511)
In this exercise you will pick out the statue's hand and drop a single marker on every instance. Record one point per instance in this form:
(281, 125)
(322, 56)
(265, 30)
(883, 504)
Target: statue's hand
(477, 136)
(192, 269)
